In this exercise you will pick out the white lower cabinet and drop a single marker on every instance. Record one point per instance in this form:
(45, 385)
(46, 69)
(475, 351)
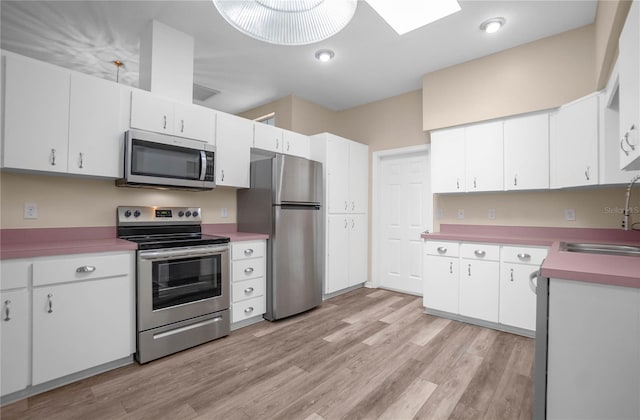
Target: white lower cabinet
(248, 280)
(346, 251)
(485, 282)
(77, 314)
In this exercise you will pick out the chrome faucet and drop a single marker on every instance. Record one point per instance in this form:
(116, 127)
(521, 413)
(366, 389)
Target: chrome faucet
(626, 222)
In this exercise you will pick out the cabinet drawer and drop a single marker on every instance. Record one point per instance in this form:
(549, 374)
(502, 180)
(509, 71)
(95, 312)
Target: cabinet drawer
(247, 249)
(248, 309)
(449, 249)
(14, 274)
(248, 269)
(248, 289)
(523, 255)
(81, 267)
(480, 251)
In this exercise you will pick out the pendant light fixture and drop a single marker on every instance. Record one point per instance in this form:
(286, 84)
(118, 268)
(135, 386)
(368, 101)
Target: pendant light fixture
(288, 22)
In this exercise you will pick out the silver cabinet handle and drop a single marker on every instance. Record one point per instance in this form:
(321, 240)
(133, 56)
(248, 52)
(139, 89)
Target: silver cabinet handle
(248, 270)
(223, 175)
(248, 310)
(346, 223)
(288, 145)
(50, 301)
(450, 268)
(353, 223)
(182, 126)
(511, 275)
(353, 206)
(626, 137)
(86, 269)
(346, 205)
(515, 180)
(586, 173)
(248, 251)
(6, 310)
(475, 183)
(622, 140)
(248, 290)
(442, 250)
(469, 270)
(277, 143)
(533, 286)
(81, 162)
(458, 183)
(524, 256)
(164, 122)
(53, 157)
(480, 253)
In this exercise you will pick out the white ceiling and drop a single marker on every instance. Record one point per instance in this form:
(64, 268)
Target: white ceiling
(372, 61)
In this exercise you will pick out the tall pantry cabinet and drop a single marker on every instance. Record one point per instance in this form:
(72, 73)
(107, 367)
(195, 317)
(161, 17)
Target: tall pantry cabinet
(345, 167)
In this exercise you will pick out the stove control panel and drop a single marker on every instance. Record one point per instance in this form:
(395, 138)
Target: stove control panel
(134, 215)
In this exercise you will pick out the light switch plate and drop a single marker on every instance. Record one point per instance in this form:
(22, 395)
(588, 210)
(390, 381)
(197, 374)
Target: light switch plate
(460, 213)
(570, 215)
(491, 214)
(30, 210)
(224, 212)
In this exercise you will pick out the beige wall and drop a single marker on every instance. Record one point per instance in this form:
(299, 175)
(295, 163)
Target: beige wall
(283, 109)
(535, 76)
(310, 118)
(80, 202)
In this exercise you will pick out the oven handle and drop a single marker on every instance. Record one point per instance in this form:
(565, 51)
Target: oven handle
(187, 328)
(178, 253)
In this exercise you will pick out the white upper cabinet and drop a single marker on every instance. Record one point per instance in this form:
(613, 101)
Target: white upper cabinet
(153, 113)
(358, 177)
(574, 144)
(447, 160)
(337, 170)
(96, 126)
(629, 66)
(234, 136)
(483, 156)
(296, 144)
(36, 115)
(267, 137)
(526, 152)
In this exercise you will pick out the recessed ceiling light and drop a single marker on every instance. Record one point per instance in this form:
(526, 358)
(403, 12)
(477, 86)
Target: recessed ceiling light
(406, 15)
(492, 25)
(325, 55)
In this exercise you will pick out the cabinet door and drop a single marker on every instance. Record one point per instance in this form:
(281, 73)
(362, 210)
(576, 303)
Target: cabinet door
(483, 151)
(296, 144)
(358, 249)
(194, 122)
(14, 339)
(95, 129)
(358, 178)
(80, 325)
(337, 276)
(441, 287)
(36, 116)
(234, 136)
(447, 161)
(267, 137)
(574, 144)
(337, 175)
(517, 299)
(629, 64)
(151, 113)
(479, 288)
(526, 152)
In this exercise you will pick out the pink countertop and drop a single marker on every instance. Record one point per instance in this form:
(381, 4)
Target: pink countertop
(26, 243)
(596, 268)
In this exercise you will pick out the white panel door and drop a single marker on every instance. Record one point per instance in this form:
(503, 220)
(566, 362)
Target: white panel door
(406, 211)
(526, 152)
(337, 175)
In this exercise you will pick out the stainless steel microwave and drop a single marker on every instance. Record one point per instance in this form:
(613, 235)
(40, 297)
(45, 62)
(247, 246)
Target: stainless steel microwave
(161, 161)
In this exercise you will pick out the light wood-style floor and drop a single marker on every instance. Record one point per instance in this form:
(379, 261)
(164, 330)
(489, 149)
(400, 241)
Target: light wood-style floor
(370, 354)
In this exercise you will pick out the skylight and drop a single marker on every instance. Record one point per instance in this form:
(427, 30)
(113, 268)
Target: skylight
(406, 15)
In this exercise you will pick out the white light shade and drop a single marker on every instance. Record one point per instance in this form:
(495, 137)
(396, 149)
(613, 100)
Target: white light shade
(406, 15)
(288, 22)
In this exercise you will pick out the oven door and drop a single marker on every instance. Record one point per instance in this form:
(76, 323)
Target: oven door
(181, 283)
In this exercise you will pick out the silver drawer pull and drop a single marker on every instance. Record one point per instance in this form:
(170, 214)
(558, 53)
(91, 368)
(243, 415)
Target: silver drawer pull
(248, 270)
(86, 269)
(480, 253)
(6, 310)
(248, 310)
(248, 290)
(442, 250)
(49, 296)
(524, 256)
(248, 251)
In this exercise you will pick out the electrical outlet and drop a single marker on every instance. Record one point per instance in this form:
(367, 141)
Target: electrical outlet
(570, 215)
(224, 212)
(440, 214)
(30, 210)
(460, 213)
(491, 214)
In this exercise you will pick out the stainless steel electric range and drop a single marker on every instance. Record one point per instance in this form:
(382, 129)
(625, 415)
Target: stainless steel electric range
(182, 279)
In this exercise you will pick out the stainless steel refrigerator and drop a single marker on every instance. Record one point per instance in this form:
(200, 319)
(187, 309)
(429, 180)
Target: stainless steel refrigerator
(285, 201)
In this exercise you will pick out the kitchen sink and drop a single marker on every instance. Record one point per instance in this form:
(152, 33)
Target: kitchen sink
(606, 249)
